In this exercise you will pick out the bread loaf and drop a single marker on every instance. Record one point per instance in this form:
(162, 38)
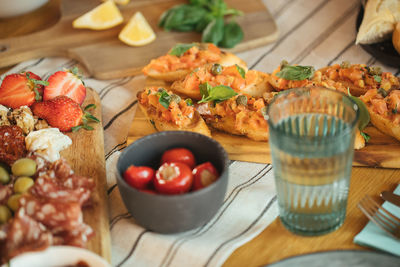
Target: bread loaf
(396, 37)
(380, 17)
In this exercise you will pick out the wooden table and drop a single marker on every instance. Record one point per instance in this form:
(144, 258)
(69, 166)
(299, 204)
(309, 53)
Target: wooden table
(275, 242)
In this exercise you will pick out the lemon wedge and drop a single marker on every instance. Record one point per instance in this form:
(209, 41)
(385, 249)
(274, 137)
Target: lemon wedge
(102, 17)
(137, 32)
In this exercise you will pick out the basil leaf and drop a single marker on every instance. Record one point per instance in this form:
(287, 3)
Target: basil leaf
(218, 93)
(180, 49)
(241, 71)
(205, 88)
(174, 18)
(202, 24)
(364, 117)
(214, 32)
(164, 16)
(377, 78)
(296, 73)
(233, 34)
(164, 99)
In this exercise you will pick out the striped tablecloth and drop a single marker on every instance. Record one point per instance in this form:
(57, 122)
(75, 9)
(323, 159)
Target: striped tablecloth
(312, 32)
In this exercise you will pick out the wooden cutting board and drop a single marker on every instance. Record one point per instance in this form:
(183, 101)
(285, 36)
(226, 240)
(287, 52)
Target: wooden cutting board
(105, 57)
(86, 157)
(381, 151)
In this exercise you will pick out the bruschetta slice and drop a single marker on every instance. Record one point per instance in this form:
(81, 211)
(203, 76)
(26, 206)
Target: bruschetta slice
(384, 110)
(183, 58)
(169, 112)
(239, 115)
(252, 82)
(359, 78)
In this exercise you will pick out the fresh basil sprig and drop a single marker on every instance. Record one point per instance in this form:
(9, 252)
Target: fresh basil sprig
(180, 49)
(377, 78)
(296, 73)
(217, 93)
(164, 98)
(364, 117)
(206, 16)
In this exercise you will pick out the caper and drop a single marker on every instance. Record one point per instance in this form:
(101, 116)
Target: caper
(241, 100)
(22, 184)
(345, 65)
(216, 69)
(5, 214)
(375, 70)
(13, 202)
(24, 167)
(4, 176)
(175, 98)
(382, 92)
(189, 101)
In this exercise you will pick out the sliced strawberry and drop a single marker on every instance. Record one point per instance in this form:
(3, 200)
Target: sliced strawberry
(66, 83)
(63, 113)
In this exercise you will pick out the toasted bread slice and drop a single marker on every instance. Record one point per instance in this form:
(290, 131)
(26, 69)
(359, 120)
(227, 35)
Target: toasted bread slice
(179, 116)
(254, 83)
(396, 37)
(172, 67)
(231, 117)
(384, 111)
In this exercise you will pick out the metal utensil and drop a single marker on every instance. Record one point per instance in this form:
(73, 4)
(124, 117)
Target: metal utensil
(380, 216)
(391, 197)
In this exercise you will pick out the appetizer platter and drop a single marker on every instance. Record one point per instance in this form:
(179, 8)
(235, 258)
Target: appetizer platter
(118, 59)
(50, 194)
(232, 101)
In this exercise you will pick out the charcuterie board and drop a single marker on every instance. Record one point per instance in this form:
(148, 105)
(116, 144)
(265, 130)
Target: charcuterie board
(381, 151)
(86, 157)
(106, 57)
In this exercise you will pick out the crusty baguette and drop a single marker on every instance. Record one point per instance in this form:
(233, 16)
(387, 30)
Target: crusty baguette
(379, 20)
(384, 124)
(396, 37)
(227, 59)
(197, 123)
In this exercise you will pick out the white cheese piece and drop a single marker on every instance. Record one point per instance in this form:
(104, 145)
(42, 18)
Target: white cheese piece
(47, 143)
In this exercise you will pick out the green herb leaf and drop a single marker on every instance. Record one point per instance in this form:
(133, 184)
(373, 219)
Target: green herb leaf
(164, 99)
(241, 71)
(296, 73)
(364, 117)
(180, 49)
(205, 88)
(233, 34)
(377, 78)
(91, 117)
(38, 97)
(366, 137)
(214, 32)
(202, 24)
(90, 106)
(218, 93)
(76, 128)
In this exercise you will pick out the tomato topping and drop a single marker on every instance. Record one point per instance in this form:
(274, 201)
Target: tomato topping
(173, 178)
(204, 175)
(139, 177)
(180, 154)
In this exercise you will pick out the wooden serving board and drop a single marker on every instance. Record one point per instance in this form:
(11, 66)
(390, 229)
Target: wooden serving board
(86, 157)
(381, 151)
(105, 57)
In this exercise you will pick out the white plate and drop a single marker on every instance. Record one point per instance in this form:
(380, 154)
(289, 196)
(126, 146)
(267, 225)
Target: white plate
(57, 256)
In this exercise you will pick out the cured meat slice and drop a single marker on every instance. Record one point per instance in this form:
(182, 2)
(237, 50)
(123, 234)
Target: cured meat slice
(24, 234)
(78, 237)
(55, 215)
(12, 144)
(5, 192)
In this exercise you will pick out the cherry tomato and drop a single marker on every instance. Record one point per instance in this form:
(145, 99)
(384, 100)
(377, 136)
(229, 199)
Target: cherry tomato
(173, 178)
(204, 175)
(139, 177)
(179, 155)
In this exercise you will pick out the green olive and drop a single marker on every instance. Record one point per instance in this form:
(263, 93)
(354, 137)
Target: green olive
(5, 214)
(13, 202)
(4, 176)
(175, 98)
(241, 100)
(22, 184)
(24, 167)
(216, 69)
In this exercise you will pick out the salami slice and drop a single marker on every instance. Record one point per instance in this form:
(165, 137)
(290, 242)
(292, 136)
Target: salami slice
(5, 192)
(78, 237)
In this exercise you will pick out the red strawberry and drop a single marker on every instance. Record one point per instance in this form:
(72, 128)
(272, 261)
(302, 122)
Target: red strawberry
(66, 83)
(20, 90)
(63, 113)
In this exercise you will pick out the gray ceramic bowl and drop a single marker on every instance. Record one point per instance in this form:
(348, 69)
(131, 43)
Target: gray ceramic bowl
(173, 213)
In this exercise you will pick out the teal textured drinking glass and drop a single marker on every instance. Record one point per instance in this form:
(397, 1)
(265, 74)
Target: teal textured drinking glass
(312, 133)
